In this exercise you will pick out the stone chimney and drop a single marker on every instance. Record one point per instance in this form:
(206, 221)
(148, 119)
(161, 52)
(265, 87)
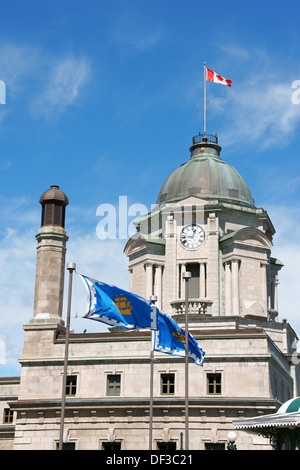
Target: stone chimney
(50, 264)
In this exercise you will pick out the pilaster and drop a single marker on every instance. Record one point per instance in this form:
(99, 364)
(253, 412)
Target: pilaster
(213, 268)
(170, 270)
(235, 287)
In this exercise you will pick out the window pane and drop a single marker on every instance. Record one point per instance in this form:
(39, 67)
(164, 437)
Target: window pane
(71, 385)
(111, 446)
(167, 383)
(66, 446)
(214, 384)
(8, 416)
(217, 446)
(166, 445)
(194, 283)
(113, 384)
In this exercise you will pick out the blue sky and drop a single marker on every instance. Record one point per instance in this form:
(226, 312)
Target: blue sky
(103, 98)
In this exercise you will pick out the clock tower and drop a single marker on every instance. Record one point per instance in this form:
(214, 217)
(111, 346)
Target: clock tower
(206, 222)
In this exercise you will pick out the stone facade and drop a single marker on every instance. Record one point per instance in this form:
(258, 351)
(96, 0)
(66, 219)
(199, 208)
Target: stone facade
(9, 391)
(254, 374)
(233, 314)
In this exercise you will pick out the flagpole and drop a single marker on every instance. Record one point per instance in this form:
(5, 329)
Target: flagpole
(70, 267)
(204, 98)
(153, 299)
(186, 276)
(151, 396)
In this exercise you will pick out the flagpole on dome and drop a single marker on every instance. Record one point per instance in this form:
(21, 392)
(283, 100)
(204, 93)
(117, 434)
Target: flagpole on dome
(204, 99)
(153, 299)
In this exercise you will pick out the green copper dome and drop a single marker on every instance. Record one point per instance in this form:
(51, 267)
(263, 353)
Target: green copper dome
(206, 176)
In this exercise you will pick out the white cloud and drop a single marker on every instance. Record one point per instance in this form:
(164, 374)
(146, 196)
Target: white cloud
(17, 250)
(62, 87)
(254, 111)
(288, 289)
(17, 64)
(235, 50)
(5, 165)
(134, 37)
(287, 249)
(100, 259)
(48, 84)
(144, 43)
(259, 107)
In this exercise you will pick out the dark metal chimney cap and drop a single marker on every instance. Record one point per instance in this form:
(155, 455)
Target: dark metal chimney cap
(54, 194)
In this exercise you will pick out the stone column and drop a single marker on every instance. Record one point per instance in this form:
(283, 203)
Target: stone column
(264, 288)
(149, 280)
(228, 306)
(178, 286)
(182, 281)
(235, 287)
(212, 244)
(170, 267)
(269, 286)
(276, 293)
(130, 270)
(202, 290)
(158, 284)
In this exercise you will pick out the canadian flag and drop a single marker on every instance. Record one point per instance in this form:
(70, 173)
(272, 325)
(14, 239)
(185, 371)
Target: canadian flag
(212, 76)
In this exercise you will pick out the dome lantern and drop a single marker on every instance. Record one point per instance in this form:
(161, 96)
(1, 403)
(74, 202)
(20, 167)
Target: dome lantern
(205, 144)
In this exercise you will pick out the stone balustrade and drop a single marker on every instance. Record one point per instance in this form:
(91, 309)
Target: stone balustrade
(195, 306)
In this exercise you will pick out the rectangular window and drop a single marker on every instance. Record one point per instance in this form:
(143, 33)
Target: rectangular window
(166, 446)
(112, 446)
(71, 385)
(167, 384)
(194, 282)
(113, 385)
(214, 384)
(8, 416)
(66, 446)
(217, 446)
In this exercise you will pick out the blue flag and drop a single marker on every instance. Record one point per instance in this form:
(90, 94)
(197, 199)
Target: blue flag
(116, 307)
(170, 339)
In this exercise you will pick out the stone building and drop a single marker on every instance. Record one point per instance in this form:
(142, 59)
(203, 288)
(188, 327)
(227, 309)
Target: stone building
(205, 222)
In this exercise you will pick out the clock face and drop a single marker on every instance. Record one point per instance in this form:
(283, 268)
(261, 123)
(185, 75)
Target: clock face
(192, 237)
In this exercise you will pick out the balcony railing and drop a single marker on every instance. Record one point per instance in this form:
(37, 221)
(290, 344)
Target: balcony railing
(195, 306)
(205, 138)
